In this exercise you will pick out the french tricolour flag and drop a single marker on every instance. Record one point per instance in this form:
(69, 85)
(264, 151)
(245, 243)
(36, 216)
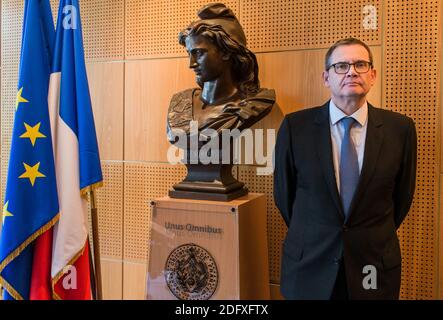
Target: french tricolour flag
(76, 155)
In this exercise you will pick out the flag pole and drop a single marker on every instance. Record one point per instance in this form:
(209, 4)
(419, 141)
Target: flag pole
(92, 272)
(96, 245)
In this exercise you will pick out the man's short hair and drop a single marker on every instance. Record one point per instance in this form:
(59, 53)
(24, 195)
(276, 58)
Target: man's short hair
(347, 42)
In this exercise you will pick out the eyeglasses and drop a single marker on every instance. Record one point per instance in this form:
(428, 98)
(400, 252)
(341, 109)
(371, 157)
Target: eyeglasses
(343, 67)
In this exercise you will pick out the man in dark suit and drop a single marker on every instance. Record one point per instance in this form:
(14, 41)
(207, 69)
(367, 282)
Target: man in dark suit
(344, 181)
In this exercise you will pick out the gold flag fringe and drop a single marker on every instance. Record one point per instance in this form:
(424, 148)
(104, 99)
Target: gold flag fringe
(10, 289)
(26, 243)
(91, 187)
(19, 250)
(60, 274)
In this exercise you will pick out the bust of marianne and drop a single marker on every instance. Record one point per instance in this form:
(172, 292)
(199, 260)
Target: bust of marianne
(228, 95)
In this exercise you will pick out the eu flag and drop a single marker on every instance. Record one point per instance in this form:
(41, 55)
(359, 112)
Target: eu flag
(31, 204)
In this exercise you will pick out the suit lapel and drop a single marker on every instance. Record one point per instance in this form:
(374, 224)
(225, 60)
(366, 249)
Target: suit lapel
(374, 140)
(324, 153)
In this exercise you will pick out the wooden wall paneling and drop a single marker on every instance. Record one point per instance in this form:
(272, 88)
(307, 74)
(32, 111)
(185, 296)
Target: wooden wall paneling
(143, 183)
(1, 189)
(149, 86)
(102, 26)
(410, 87)
(440, 90)
(306, 24)
(440, 85)
(109, 199)
(106, 87)
(276, 230)
(1, 159)
(440, 246)
(252, 248)
(103, 29)
(54, 7)
(152, 27)
(375, 95)
(134, 280)
(9, 76)
(1, 19)
(11, 23)
(275, 292)
(296, 77)
(112, 279)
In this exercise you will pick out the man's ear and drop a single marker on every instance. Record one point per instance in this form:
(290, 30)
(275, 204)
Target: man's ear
(373, 76)
(325, 76)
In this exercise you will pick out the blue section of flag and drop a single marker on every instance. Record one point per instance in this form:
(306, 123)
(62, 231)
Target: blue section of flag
(31, 195)
(75, 101)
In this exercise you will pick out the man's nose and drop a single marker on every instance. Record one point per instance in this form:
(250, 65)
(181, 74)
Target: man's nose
(351, 72)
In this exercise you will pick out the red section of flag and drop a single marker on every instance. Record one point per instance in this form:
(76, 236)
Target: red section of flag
(41, 268)
(75, 284)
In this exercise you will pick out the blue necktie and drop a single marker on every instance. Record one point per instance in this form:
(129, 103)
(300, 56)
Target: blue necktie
(349, 171)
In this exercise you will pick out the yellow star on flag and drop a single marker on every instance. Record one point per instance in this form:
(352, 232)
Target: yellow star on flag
(32, 173)
(32, 133)
(19, 98)
(6, 213)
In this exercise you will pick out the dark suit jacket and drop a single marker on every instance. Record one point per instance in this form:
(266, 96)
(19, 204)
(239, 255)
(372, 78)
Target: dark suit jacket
(305, 192)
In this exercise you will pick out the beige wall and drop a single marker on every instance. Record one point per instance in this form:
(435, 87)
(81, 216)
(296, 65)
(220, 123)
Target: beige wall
(135, 64)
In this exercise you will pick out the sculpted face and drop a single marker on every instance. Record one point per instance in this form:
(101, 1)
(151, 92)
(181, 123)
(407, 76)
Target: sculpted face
(350, 84)
(206, 59)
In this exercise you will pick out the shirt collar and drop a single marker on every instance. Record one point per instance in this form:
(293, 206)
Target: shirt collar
(335, 114)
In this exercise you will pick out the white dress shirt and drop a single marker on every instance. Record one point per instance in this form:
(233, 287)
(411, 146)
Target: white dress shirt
(358, 134)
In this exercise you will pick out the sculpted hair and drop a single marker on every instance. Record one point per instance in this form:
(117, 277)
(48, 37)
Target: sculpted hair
(244, 63)
(347, 42)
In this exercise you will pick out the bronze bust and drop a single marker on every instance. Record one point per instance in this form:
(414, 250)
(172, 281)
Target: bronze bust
(228, 97)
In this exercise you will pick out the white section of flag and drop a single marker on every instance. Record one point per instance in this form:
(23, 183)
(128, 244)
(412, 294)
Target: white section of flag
(71, 231)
